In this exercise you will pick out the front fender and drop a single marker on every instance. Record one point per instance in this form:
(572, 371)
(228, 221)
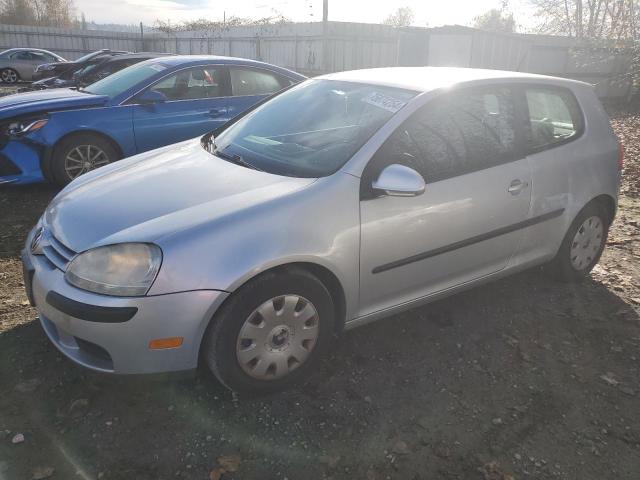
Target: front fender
(319, 224)
(115, 123)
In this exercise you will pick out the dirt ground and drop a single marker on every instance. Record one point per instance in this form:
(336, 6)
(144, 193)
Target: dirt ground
(522, 378)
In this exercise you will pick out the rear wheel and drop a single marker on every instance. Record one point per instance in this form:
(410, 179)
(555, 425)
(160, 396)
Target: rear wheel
(270, 332)
(9, 75)
(79, 154)
(583, 244)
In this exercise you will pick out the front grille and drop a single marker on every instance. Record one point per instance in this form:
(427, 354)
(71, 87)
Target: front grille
(7, 167)
(57, 253)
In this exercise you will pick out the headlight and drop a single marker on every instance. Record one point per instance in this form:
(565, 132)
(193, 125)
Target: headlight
(26, 126)
(123, 269)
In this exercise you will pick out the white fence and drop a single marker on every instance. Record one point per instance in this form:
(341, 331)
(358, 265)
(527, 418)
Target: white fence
(310, 49)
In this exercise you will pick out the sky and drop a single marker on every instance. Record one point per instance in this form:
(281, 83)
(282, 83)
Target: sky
(427, 12)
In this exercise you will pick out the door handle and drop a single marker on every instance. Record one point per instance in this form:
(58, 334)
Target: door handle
(216, 112)
(517, 186)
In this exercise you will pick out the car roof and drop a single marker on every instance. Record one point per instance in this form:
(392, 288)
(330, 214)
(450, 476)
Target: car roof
(424, 79)
(195, 60)
(27, 49)
(145, 55)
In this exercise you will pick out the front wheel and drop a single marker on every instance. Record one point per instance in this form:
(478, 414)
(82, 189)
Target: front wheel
(583, 244)
(270, 332)
(80, 154)
(9, 75)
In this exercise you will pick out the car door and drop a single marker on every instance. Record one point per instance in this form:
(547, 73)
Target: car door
(249, 85)
(468, 221)
(23, 63)
(195, 102)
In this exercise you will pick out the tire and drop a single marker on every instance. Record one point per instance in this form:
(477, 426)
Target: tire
(78, 154)
(236, 325)
(9, 76)
(577, 257)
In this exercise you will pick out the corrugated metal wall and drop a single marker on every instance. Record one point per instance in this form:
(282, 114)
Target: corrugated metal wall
(68, 43)
(306, 48)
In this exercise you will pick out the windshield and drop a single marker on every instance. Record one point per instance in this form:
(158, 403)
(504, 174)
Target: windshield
(311, 130)
(86, 57)
(69, 74)
(123, 80)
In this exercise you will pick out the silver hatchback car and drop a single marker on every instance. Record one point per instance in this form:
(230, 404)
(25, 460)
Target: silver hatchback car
(342, 200)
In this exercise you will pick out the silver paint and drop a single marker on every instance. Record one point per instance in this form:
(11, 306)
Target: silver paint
(220, 224)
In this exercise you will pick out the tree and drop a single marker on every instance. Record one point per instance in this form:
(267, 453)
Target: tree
(211, 25)
(496, 20)
(48, 13)
(403, 17)
(603, 28)
(58, 13)
(17, 12)
(590, 19)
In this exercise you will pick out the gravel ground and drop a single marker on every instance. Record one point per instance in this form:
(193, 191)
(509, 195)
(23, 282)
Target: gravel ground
(522, 378)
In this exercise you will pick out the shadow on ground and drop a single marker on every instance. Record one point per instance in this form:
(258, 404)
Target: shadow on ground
(538, 376)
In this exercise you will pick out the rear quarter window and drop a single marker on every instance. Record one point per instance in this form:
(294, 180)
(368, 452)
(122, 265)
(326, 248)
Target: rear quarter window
(554, 115)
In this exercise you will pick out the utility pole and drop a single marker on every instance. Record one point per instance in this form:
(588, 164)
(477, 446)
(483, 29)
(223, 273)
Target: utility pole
(325, 36)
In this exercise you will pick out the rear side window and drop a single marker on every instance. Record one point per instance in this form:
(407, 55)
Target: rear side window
(458, 133)
(249, 81)
(21, 56)
(554, 117)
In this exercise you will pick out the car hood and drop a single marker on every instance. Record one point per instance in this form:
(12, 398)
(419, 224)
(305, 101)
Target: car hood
(159, 193)
(47, 101)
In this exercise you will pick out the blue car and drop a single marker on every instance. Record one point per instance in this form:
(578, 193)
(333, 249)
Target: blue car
(59, 134)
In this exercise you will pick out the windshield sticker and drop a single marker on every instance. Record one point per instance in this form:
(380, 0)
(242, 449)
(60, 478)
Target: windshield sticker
(262, 140)
(386, 102)
(158, 67)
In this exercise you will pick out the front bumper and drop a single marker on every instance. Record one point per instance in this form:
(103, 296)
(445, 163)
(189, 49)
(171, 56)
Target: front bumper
(20, 163)
(120, 346)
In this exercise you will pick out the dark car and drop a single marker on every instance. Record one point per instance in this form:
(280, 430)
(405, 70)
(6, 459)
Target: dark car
(92, 71)
(54, 69)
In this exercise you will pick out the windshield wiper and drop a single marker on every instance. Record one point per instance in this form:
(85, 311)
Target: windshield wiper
(237, 159)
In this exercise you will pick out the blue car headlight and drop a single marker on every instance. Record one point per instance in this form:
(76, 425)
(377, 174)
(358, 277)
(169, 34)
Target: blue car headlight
(23, 127)
(123, 269)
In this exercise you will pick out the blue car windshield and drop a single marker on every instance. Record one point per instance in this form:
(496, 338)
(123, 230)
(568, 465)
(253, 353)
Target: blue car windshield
(121, 81)
(312, 129)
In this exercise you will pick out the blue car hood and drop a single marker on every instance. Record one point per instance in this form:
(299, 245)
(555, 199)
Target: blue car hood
(46, 101)
(158, 193)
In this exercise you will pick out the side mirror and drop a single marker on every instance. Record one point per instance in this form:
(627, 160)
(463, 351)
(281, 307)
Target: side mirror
(149, 97)
(399, 181)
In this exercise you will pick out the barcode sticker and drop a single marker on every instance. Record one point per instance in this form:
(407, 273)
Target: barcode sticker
(384, 101)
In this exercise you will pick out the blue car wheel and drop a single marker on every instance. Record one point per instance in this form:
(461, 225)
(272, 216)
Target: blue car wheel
(79, 154)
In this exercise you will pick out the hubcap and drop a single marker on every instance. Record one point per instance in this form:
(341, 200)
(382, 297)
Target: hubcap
(84, 158)
(9, 76)
(277, 337)
(586, 243)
